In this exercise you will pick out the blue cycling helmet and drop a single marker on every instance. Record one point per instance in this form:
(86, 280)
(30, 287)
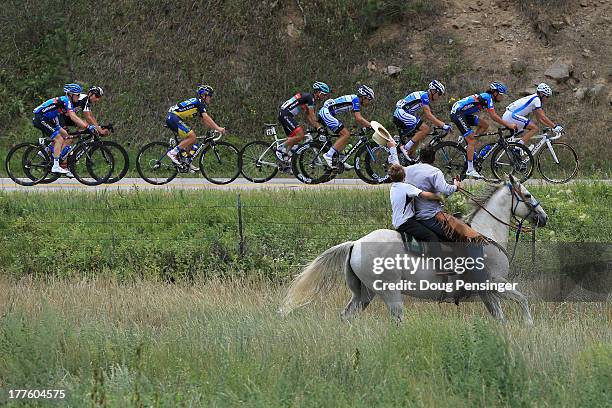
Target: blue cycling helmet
(206, 90)
(499, 87)
(366, 91)
(321, 86)
(72, 89)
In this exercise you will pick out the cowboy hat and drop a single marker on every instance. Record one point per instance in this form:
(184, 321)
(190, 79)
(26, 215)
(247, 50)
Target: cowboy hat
(381, 135)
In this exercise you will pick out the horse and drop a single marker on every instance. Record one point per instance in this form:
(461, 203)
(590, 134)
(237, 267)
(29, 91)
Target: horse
(491, 217)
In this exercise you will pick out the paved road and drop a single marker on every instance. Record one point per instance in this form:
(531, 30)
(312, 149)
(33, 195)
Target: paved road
(63, 184)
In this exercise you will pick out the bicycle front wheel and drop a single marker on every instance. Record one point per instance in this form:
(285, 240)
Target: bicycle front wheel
(451, 158)
(122, 161)
(258, 161)
(220, 163)
(153, 165)
(27, 164)
(558, 163)
(515, 160)
(91, 165)
(372, 163)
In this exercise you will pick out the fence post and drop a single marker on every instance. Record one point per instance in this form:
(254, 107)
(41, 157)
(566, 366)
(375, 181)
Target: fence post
(240, 229)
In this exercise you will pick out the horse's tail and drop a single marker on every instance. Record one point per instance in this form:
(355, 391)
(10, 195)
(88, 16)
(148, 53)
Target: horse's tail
(317, 277)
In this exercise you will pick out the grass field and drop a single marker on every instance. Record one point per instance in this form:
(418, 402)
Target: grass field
(143, 299)
(220, 343)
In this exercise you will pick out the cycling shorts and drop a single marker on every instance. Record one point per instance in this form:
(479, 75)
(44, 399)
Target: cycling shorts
(177, 125)
(518, 120)
(48, 127)
(329, 120)
(288, 122)
(405, 122)
(464, 122)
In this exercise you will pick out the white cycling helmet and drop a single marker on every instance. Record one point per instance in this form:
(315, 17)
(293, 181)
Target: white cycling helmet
(366, 91)
(437, 86)
(545, 89)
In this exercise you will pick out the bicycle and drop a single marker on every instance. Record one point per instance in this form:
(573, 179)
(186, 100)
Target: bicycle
(219, 160)
(449, 156)
(554, 157)
(507, 157)
(308, 164)
(33, 161)
(258, 159)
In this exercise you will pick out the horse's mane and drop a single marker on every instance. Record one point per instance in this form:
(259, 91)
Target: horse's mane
(482, 197)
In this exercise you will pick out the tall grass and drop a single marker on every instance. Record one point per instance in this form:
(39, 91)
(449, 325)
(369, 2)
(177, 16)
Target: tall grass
(222, 344)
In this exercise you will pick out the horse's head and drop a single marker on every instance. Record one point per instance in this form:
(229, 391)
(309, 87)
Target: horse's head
(524, 205)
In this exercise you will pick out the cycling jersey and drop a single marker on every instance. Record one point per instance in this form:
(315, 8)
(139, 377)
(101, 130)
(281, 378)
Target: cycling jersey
(191, 108)
(413, 102)
(342, 103)
(83, 103)
(473, 103)
(54, 107)
(299, 102)
(525, 105)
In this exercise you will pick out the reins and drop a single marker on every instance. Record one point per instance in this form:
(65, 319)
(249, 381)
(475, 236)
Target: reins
(519, 223)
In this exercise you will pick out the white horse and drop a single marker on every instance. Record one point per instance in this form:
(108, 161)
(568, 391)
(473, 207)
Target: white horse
(491, 217)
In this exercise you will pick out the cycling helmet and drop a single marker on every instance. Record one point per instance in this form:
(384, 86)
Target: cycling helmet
(366, 91)
(72, 89)
(499, 87)
(321, 86)
(437, 86)
(206, 90)
(545, 89)
(96, 90)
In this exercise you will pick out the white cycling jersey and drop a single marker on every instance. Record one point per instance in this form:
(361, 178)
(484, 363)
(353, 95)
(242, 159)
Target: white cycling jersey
(525, 105)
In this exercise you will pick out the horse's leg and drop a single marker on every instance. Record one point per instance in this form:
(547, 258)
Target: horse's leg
(493, 305)
(521, 299)
(395, 303)
(355, 304)
(367, 296)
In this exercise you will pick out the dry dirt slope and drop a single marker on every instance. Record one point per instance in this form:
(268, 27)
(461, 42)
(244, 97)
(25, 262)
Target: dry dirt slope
(517, 42)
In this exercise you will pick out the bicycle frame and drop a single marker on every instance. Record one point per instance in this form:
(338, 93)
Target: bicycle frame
(208, 139)
(546, 139)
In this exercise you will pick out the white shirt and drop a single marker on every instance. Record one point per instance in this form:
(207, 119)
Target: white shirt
(525, 105)
(402, 202)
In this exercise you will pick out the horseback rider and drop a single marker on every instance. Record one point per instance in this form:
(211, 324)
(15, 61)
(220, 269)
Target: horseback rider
(430, 213)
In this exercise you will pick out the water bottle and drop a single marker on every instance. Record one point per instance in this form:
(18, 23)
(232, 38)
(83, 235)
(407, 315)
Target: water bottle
(347, 148)
(65, 151)
(194, 149)
(483, 152)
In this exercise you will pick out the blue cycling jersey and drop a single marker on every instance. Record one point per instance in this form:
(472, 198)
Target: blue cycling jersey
(343, 103)
(473, 103)
(54, 107)
(413, 102)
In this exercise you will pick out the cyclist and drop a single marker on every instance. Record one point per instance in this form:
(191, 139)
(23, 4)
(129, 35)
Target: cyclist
(407, 122)
(47, 120)
(331, 107)
(463, 114)
(518, 111)
(191, 108)
(300, 102)
(84, 103)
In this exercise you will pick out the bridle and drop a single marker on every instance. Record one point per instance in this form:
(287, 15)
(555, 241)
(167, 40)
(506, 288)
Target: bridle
(517, 197)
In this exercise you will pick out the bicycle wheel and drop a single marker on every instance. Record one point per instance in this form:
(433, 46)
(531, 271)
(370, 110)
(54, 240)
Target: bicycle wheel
(122, 160)
(153, 165)
(220, 163)
(559, 163)
(258, 161)
(27, 164)
(450, 157)
(91, 164)
(372, 163)
(515, 160)
(308, 165)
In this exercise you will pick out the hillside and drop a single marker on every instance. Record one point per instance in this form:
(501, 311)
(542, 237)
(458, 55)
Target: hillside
(150, 54)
